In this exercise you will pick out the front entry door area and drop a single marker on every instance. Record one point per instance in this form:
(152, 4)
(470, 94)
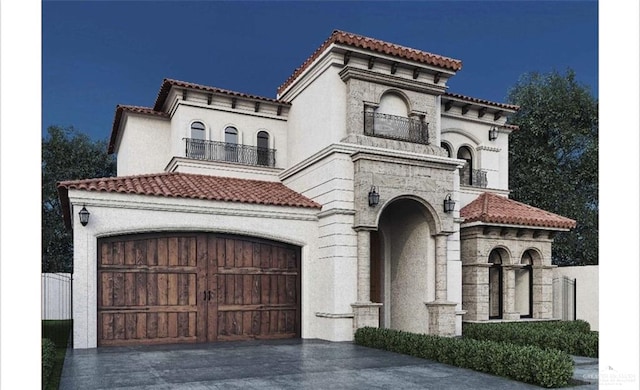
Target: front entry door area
(196, 287)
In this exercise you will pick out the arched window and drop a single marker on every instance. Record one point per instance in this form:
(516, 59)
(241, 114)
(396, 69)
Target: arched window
(231, 144)
(495, 285)
(263, 148)
(446, 147)
(196, 146)
(198, 131)
(466, 176)
(524, 285)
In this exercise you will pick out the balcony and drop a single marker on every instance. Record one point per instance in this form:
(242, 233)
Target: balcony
(473, 177)
(222, 151)
(396, 127)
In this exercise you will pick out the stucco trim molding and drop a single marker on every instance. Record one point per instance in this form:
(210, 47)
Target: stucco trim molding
(334, 315)
(349, 72)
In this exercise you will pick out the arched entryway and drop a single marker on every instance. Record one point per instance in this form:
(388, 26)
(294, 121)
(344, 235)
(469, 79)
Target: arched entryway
(403, 265)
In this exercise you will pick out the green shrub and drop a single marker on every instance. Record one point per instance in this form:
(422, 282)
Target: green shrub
(572, 337)
(546, 368)
(48, 360)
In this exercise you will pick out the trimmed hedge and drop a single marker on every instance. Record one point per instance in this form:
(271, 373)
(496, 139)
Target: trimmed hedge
(572, 337)
(546, 368)
(48, 360)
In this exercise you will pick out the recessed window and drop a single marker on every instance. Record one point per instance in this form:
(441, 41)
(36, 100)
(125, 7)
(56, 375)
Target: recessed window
(447, 148)
(466, 176)
(231, 144)
(263, 148)
(524, 285)
(198, 130)
(495, 285)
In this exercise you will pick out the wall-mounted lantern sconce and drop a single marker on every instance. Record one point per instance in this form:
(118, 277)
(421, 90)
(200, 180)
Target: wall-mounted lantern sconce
(374, 197)
(84, 216)
(493, 134)
(449, 204)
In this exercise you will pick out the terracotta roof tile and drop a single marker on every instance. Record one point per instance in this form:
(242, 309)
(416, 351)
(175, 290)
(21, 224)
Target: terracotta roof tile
(120, 109)
(183, 185)
(376, 45)
(493, 208)
(168, 83)
(481, 101)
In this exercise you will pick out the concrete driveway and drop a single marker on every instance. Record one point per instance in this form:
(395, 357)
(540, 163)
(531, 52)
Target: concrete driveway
(280, 364)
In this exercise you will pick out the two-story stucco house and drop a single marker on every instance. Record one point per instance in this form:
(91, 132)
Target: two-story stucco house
(364, 194)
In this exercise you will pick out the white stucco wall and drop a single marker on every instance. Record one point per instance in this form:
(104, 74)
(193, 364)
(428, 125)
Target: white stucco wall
(318, 115)
(216, 119)
(117, 214)
(144, 146)
(587, 294)
(328, 180)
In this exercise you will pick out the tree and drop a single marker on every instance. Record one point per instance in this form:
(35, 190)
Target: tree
(66, 155)
(553, 158)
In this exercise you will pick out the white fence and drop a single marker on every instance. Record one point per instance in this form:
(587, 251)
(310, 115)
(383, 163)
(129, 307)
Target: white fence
(585, 295)
(56, 296)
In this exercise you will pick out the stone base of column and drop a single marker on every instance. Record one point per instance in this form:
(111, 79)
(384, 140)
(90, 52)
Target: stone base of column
(366, 314)
(442, 318)
(510, 316)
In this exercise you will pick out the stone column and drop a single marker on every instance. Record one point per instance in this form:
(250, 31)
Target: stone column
(442, 313)
(509, 294)
(475, 291)
(365, 312)
(543, 291)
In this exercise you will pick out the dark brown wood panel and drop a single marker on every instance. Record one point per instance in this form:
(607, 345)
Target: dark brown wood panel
(196, 287)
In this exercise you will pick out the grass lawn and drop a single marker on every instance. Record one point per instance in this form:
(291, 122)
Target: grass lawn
(59, 332)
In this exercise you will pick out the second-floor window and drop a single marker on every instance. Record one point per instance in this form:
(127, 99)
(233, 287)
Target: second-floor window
(466, 173)
(231, 143)
(263, 148)
(198, 130)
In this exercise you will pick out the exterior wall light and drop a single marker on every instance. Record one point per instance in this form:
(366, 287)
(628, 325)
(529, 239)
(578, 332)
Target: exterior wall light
(84, 216)
(449, 204)
(493, 134)
(374, 197)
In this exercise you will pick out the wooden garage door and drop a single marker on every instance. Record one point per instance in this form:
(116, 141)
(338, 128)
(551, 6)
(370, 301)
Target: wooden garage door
(196, 288)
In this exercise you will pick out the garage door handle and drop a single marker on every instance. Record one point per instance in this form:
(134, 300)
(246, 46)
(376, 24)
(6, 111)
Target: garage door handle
(208, 295)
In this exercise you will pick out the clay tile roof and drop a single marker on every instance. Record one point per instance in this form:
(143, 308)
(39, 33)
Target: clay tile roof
(376, 45)
(493, 208)
(481, 101)
(168, 83)
(183, 185)
(120, 109)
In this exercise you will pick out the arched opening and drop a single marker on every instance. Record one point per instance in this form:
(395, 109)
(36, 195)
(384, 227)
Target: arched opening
(263, 148)
(446, 147)
(495, 284)
(198, 131)
(466, 176)
(390, 115)
(403, 265)
(196, 146)
(231, 144)
(524, 286)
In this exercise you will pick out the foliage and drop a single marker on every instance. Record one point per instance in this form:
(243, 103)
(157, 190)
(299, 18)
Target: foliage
(553, 158)
(547, 368)
(58, 333)
(572, 337)
(48, 360)
(66, 155)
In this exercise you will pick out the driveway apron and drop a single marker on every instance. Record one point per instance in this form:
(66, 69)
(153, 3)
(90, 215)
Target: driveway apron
(279, 364)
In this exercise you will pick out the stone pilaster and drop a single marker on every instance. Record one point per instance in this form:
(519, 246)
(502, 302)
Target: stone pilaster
(365, 313)
(441, 267)
(543, 291)
(475, 291)
(442, 318)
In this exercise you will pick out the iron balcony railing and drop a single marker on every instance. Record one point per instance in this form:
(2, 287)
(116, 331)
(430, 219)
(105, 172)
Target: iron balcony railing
(396, 127)
(223, 151)
(473, 177)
